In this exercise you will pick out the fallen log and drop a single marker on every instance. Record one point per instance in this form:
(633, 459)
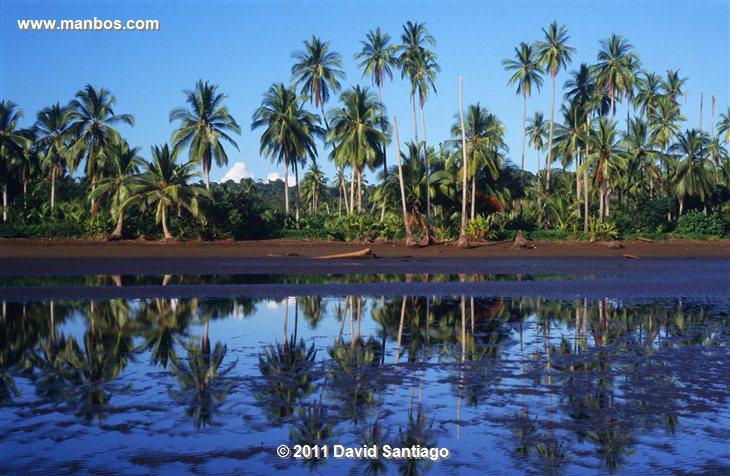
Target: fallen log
(362, 254)
(645, 240)
(630, 256)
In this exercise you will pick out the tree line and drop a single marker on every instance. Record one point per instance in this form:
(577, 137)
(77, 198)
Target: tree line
(641, 177)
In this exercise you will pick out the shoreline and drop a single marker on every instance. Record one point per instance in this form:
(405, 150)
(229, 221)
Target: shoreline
(13, 251)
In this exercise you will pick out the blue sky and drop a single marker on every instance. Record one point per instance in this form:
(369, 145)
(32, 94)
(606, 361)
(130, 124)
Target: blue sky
(246, 46)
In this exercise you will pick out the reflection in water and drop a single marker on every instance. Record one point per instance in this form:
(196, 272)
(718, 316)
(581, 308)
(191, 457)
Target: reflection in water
(559, 387)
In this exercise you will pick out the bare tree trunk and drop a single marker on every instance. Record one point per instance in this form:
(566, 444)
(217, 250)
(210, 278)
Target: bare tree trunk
(428, 180)
(549, 162)
(53, 186)
(5, 202)
(409, 237)
(463, 242)
(681, 205)
(120, 224)
(286, 187)
(165, 230)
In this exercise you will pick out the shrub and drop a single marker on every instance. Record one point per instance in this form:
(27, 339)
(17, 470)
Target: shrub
(480, 227)
(647, 216)
(696, 224)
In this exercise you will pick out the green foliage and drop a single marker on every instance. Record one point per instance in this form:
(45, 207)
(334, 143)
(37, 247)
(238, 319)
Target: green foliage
(646, 216)
(602, 231)
(696, 224)
(550, 235)
(480, 228)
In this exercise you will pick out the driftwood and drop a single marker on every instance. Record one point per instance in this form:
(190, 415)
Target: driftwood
(362, 254)
(630, 256)
(645, 240)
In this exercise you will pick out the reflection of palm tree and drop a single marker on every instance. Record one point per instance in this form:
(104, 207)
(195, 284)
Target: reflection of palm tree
(165, 319)
(202, 386)
(17, 335)
(351, 374)
(313, 428)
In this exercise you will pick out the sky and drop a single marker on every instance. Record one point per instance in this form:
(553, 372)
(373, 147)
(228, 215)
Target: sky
(245, 47)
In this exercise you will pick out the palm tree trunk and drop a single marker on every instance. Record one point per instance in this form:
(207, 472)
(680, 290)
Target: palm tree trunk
(585, 177)
(473, 194)
(296, 189)
(400, 180)
(577, 183)
(286, 187)
(165, 230)
(359, 191)
(537, 176)
(120, 224)
(53, 186)
(25, 194)
(463, 240)
(206, 168)
(549, 162)
(428, 180)
(608, 195)
(5, 202)
(352, 191)
(93, 187)
(524, 122)
(415, 118)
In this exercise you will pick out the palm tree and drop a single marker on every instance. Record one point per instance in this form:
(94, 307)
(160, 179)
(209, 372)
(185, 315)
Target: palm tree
(204, 125)
(695, 172)
(27, 163)
(673, 85)
(406, 224)
(289, 129)
(664, 128)
(166, 183)
(723, 127)
(318, 71)
(413, 41)
(616, 68)
(378, 60)
(12, 142)
(641, 153)
(121, 170)
(53, 127)
(554, 54)
(314, 186)
(537, 133)
(649, 90)
(607, 158)
(527, 71)
(356, 133)
(92, 113)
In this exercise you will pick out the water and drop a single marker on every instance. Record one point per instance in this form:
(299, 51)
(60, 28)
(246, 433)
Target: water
(504, 384)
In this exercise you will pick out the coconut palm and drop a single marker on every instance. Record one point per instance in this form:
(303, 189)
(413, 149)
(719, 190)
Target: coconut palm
(616, 68)
(165, 184)
(606, 158)
(121, 172)
(695, 171)
(649, 88)
(723, 127)
(289, 129)
(318, 71)
(673, 85)
(53, 127)
(93, 116)
(537, 133)
(641, 152)
(664, 127)
(527, 71)
(12, 142)
(313, 186)
(357, 135)
(554, 54)
(204, 125)
(378, 60)
(414, 39)
(27, 162)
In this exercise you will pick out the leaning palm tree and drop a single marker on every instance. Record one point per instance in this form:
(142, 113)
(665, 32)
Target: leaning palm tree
(12, 143)
(537, 133)
(554, 54)
(93, 116)
(53, 127)
(378, 60)
(318, 71)
(616, 68)
(165, 184)
(289, 129)
(695, 171)
(527, 71)
(204, 125)
(357, 135)
(121, 170)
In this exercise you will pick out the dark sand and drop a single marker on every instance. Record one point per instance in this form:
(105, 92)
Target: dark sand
(666, 269)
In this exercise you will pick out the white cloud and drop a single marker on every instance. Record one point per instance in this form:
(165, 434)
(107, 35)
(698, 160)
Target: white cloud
(236, 173)
(274, 176)
(271, 304)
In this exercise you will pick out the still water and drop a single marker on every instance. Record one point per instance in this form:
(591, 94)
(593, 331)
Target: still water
(503, 385)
